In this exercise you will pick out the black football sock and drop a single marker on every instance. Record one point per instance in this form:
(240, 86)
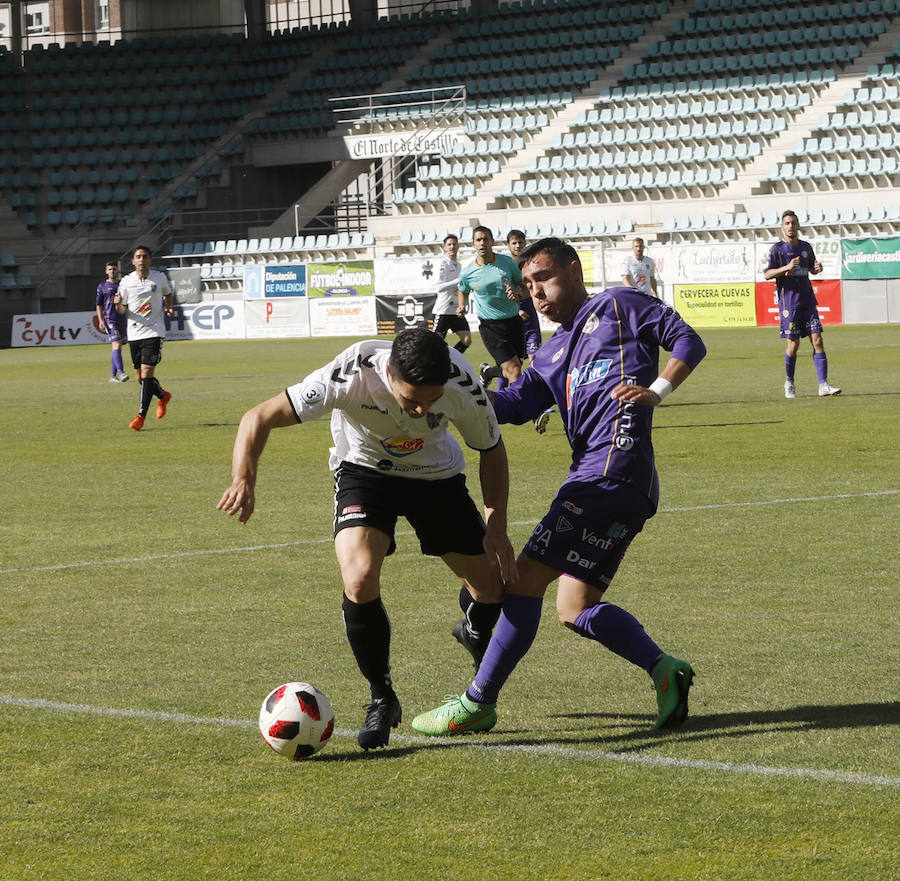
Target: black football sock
(146, 395)
(480, 617)
(157, 388)
(369, 633)
(461, 346)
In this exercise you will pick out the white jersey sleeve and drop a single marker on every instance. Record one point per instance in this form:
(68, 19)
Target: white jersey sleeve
(446, 301)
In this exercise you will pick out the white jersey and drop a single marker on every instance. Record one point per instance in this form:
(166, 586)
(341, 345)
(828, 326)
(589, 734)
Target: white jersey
(447, 302)
(144, 299)
(371, 429)
(640, 272)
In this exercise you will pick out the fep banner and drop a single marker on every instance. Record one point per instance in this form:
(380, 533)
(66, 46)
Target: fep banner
(56, 329)
(186, 285)
(276, 317)
(828, 295)
(394, 314)
(396, 276)
(870, 258)
(716, 305)
(348, 279)
(342, 316)
(207, 321)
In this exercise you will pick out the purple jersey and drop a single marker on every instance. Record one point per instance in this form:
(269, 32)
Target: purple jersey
(614, 337)
(794, 288)
(105, 292)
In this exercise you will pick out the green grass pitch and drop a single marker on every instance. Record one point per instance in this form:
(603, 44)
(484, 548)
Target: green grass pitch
(141, 629)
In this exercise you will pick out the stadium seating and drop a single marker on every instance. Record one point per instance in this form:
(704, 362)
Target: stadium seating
(686, 109)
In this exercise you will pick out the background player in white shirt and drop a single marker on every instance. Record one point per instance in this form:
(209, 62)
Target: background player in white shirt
(639, 271)
(391, 406)
(144, 296)
(445, 317)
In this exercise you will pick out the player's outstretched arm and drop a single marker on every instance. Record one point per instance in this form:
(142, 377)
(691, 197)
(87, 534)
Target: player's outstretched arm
(674, 373)
(494, 475)
(253, 432)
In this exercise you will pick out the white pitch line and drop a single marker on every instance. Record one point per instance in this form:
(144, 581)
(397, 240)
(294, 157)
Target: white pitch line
(550, 750)
(180, 555)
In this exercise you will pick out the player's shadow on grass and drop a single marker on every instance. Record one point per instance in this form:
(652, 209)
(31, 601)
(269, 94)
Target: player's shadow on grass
(717, 725)
(720, 424)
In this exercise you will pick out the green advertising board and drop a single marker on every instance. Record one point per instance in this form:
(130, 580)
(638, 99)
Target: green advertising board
(870, 258)
(345, 279)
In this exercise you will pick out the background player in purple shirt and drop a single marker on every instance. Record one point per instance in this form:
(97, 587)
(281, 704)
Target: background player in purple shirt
(110, 320)
(601, 368)
(790, 263)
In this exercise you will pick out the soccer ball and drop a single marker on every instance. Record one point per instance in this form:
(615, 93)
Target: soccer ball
(296, 720)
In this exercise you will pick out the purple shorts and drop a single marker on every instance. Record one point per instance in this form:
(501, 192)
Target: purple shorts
(115, 334)
(588, 529)
(801, 321)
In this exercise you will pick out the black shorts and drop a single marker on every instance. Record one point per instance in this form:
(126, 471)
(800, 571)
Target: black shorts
(441, 512)
(147, 351)
(504, 338)
(445, 323)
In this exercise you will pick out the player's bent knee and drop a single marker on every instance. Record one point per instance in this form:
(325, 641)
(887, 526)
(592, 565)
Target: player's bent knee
(573, 597)
(363, 589)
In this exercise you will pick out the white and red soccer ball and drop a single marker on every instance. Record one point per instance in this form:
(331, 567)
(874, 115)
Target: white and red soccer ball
(296, 720)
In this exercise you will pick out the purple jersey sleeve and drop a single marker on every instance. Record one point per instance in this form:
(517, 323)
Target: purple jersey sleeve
(527, 398)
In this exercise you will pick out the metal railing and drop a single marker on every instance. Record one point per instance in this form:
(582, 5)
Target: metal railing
(429, 112)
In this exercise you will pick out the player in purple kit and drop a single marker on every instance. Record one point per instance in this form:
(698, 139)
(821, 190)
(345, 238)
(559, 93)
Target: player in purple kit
(601, 368)
(110, 320)
(790, 263)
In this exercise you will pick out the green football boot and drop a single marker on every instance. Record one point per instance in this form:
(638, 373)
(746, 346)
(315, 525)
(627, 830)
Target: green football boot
(457, 715)
(672, 679)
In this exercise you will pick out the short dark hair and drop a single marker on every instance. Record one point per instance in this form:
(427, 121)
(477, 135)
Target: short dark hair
(557, 250)
(112, 263)
(141, 248)
(486, 229)
(517, 233)
(420, 357)
(790, 213)
(450, 236)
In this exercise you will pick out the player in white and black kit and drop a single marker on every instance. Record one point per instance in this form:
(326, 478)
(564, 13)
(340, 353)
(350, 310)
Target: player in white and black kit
(445, 317)
(391, 406)
(145, 298)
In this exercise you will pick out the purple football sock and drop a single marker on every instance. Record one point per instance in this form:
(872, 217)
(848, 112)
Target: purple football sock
(513, 636)
(117, 366)
(502, 382)
(620, 632)
(820, 359)
(790, 362)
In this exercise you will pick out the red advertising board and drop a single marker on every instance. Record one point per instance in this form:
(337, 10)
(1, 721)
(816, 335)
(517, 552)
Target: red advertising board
(828, 294)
